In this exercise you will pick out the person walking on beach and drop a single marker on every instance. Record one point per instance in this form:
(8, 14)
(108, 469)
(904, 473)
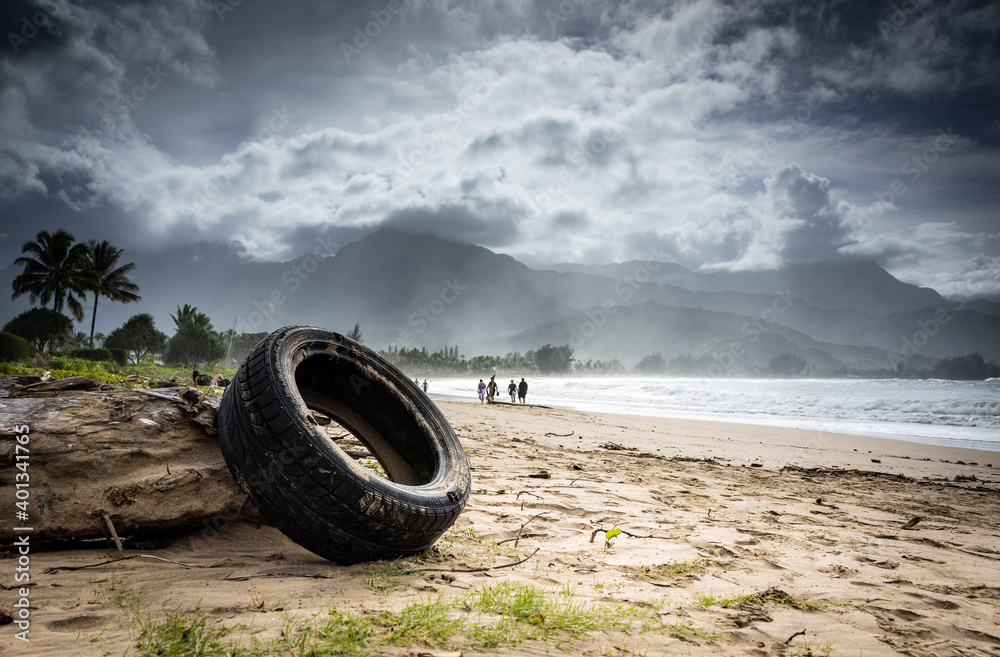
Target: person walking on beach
(482, 390)
(491, 390)
(512, 391)
(522, 389)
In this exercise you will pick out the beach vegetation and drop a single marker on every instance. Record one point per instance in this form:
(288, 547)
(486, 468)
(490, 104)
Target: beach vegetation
(183, 632)
(356, 334)
(787, 365)
(106, 278)
(54, 269)
(78, 340)
(13, 347)
(772, 596)
(500, 548)
(437, 553)
(653, 363)
(138, 336)
(970, 367)
(609, 537)
(687, 631)
(374, 466)
(195, 342)
(383, 576)
(612, 367)
(682, 568)
(807, 649)
(497, 616)
(40, 327)
(552, 359)
(448, 361)
(426, 622)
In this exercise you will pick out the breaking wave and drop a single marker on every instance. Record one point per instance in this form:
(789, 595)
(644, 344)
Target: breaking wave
(958, 413)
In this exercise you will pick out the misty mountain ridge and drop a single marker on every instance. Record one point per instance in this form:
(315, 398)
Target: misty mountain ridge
(417, 290)
(858, 285)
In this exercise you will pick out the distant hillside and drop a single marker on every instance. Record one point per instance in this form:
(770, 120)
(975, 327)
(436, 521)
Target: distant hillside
(422, 291)
(861, 286)
(731, 341)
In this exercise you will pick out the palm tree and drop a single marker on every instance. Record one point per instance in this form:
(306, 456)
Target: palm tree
(76, 341)
(109, 280)
(53, 269)
(191, 314)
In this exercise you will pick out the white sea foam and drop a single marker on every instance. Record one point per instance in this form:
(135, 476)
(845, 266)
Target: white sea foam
(957, 413)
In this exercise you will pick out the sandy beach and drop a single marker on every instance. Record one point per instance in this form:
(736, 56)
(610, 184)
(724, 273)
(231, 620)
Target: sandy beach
(735, 540)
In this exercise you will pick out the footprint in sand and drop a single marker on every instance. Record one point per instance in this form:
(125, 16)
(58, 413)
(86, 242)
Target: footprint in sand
(77, 623)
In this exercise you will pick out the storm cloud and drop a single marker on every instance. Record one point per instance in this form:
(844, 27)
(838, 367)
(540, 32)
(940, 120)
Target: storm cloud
(735, 137)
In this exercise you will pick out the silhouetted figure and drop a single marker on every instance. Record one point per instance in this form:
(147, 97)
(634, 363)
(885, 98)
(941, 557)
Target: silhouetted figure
(491, 390)
(522, 389)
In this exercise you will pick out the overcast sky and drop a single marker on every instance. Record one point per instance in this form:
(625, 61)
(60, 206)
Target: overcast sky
(739, 135)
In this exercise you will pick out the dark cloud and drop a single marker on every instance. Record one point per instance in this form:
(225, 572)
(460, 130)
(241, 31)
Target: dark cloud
(485, 223)
(579, 129)
(324, 240)
(570, 221)
(818, 225)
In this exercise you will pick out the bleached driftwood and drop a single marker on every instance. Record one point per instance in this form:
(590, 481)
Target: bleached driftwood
(146, 459)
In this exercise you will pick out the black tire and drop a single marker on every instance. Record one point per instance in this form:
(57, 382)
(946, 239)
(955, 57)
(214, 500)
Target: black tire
(309, 487)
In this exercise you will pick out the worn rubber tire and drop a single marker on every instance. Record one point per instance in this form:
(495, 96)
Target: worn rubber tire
(309, 487)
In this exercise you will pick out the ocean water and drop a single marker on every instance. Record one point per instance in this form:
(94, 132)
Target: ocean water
(950, 413)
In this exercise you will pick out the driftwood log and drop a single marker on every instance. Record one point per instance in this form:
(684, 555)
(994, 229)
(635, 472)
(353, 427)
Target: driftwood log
(148, 461)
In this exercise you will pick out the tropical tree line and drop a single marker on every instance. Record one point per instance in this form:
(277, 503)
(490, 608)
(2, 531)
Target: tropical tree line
(967, 367)
(58, 270)
(548, 359)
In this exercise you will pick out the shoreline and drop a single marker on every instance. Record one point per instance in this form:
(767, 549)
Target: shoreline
(765, 445)
(988, 451)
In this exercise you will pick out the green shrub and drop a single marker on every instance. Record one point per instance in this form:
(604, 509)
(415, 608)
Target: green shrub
(92, 354)
(58, 364)
(120, 356)
(13, 347)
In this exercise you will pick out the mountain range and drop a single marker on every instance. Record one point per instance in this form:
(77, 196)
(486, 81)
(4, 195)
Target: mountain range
(418, 290)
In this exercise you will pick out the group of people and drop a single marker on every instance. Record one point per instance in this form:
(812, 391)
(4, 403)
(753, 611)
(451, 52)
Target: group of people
(487, 392)
(417, 383)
